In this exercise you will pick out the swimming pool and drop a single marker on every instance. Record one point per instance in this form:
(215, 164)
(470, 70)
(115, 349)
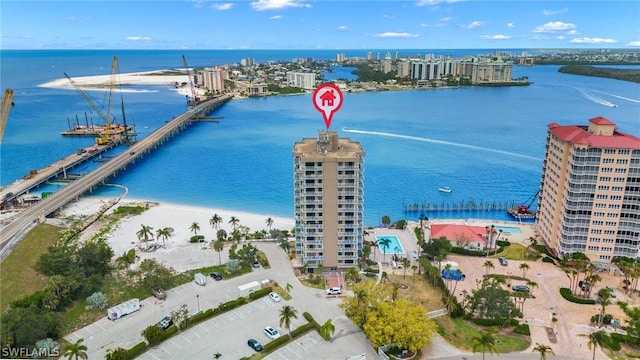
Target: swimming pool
(394, 245)
(509, 229)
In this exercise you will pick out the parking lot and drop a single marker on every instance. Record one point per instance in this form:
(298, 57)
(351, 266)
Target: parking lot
(227, 334)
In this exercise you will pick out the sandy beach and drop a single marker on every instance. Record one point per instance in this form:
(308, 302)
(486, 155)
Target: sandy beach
(148, 78)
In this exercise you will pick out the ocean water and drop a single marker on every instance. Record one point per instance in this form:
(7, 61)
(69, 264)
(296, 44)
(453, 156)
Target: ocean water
(487, 144)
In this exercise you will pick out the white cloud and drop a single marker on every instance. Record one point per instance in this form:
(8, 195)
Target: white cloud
(436, 25)
(388, 16)
(634, 43)
(554, 12)
(433, 2)
(276, 17)
(262, 5)
(511, 25)
(222, 7)
(472, 25)
(587, 40)
(495, 37)
(396, 35)
(343, 28)
(554, 26)
(446, 18)
(572, 32)
(137, 38)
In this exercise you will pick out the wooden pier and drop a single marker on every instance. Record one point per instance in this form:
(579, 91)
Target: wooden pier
(468, 205)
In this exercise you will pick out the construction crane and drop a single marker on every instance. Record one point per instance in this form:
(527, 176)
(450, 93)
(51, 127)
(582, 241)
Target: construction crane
(194, 97)
(7, 103)
(106, 134)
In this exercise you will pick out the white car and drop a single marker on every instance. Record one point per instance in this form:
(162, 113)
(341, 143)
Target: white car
(271, 332)
(333, 291)
(275, 297)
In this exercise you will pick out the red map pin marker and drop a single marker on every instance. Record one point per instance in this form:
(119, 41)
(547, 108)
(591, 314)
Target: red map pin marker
(327, 99)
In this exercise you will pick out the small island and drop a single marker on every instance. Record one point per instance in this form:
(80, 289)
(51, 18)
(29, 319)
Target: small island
(632, 75)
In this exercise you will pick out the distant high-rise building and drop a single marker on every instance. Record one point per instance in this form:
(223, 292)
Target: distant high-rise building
(213, 78)
(301, 80)
(590, 191)
(370, 55)
(247, 62)
(328, 201)
(340, 57)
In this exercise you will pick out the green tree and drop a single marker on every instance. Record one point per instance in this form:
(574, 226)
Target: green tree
(598, 339)
(437, 249)
(76, 350)
(215, 221)
(117, 354)
(269, 222)
(405, 264)
(217, 356)
(604, 299)
(144, 233)
(195, 227)
(327, 329)
(164, 234)
(524, 267)
(288, 288)
(58, 260)
(486, 341)
(153, 334)
(491, 301)
(543, 350)
(386, 220)
(488, 265)
(221, 235)
(287, 314)
(181, 316)
(384, 244)
(218, 246)
(633, 321)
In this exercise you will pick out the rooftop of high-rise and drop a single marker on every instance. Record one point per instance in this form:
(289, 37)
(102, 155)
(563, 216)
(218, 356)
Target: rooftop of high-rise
(585, 135)
(328, 144)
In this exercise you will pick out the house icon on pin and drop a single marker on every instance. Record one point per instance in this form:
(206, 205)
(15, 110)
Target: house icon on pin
(327, 98)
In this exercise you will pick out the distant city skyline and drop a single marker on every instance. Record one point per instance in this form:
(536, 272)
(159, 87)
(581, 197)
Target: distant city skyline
(300, 24)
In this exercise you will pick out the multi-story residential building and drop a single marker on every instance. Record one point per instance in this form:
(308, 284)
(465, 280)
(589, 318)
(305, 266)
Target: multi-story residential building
(305, 81)
(328, 198)
(404, 69)
(590, 191)
(213, 78)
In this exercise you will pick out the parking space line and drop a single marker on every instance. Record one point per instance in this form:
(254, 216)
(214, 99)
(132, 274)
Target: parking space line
(89, 331)
(184, 337)
(286, 348)
(299, 345)
(280, 355)
(98, 325)
(174, 344)
(195, 332)
(165, 350)
(239, 314)
(204, 327)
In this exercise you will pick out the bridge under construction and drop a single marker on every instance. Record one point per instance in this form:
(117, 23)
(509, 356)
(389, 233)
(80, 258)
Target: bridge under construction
(14, 228)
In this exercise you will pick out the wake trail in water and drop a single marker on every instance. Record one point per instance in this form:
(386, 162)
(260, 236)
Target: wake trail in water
(596, 100)
(618, 96)
(440, 142)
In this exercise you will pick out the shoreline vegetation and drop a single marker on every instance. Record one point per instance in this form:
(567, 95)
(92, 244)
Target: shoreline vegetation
(632, 75)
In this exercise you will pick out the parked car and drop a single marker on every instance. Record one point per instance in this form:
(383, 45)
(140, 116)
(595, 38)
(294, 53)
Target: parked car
(271, 332)
(166, 322)
(216, 276)
(200, 279)
(254, 344)
(256, 263)
(520, 288)
(275, 297)
(159, 293)
(333, 291)
(583, 285)
(503, 261)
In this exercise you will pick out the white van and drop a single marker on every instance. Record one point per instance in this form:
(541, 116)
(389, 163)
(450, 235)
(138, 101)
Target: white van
(333, 291)
(200, 279)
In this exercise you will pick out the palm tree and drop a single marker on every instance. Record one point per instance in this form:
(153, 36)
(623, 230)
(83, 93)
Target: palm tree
(163, 233)
(532, 284)
(361, 296)
(195, 228)
(288, 288)
(598, 338)
(384, 244)
(386, 220)
(486, 341)
(524, 267)
(144, 232)
(234, 222)
(405, 264)
(543, 350)
(218, 246)
(217, 356)
(604, 296)
(215, 221)
(327, 329)
(488, 265)
(269, 222)
(76, 350)
(288, 313)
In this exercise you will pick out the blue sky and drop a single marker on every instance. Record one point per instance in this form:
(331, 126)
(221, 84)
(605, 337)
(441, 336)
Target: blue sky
(300, 24)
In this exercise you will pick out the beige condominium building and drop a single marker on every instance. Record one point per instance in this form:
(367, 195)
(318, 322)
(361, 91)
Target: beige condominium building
(590, 191)
(328, 199)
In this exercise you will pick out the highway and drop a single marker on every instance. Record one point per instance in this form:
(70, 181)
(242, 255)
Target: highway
(12, 232)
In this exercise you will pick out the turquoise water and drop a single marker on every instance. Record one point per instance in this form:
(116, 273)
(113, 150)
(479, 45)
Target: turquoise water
(395, 247)
(511, 229)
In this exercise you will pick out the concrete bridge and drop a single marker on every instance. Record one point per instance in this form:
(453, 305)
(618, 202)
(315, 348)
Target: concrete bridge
(14, 228)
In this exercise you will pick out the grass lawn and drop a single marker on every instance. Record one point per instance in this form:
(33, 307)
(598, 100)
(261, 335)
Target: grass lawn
(518, 252)
(460, 333)
(17, 276)
(419, 290)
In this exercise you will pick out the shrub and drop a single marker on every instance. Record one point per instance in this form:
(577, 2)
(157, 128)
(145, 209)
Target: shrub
(566, 294)
(548, 260)
(494, 322)
(502, 243)
(97, 300)
(260, 293)
(197, 239)
(522, 329)
(169, 333)
(631, 340)
(136, 350)
(307, 316)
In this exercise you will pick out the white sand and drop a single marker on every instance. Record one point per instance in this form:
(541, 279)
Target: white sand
(103, 82)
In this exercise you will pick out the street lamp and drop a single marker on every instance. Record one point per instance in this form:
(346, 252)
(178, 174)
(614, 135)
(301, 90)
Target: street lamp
(198, 299)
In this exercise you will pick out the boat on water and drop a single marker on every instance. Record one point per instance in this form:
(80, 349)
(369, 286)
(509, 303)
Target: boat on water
(445, 189)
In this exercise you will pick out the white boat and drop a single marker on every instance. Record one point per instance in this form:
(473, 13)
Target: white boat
(445, 189)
